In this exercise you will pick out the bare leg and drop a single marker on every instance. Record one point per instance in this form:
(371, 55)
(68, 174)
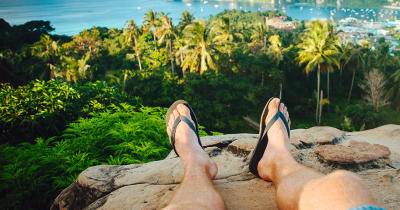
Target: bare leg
(197, 190)
(299, 187)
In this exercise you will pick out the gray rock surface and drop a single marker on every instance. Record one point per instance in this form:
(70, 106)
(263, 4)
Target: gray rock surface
(151, 185)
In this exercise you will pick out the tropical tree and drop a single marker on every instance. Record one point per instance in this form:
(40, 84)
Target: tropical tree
(179, 46)
(260, 34)
(368, 55)
(394, 92)
(225, 32)
(345, 52)
(355, 61)
(277, 52)
(72, 70)
(150, 20)
(383, 55)
(318, 50)
(131, 33)
(167, 33)
(199, 49)
(187, 19)
(47, 50)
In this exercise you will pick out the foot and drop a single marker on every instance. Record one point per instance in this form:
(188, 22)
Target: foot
(186, 143)
(277, 152)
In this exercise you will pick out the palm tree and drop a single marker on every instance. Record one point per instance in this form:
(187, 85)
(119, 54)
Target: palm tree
(179, 46)
(150, 21)
(186, 19)
(47, 50)
(318, 49)
(345, 52)
(394, 92)
(355, 61)
(277, 52)
(384, 57)
(225, 32)
(167, 34)
(199, 49)
(260, 33)
(131, 33)
(368, 56)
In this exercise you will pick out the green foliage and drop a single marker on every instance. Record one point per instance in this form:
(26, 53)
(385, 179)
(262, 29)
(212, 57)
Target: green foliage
(219, 101)
(32, 175)
(363, 117)
(42, 109)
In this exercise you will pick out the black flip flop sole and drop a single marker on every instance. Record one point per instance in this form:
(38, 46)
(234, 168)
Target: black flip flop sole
(192, 115)
(262, 142)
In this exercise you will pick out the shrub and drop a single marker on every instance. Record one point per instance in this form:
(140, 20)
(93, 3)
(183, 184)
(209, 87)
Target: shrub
(43, 109)
(32, 175)
(366, 116)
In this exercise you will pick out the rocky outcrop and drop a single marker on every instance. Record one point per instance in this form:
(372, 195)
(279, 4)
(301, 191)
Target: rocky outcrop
(355, 157)
(151, 185)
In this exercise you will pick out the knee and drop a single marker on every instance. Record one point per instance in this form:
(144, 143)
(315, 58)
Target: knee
(345, 176)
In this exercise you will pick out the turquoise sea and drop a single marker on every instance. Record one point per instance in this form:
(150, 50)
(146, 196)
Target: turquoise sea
(72, 16)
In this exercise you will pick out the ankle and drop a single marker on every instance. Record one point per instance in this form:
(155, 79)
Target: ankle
(198, 166)
(276, 165)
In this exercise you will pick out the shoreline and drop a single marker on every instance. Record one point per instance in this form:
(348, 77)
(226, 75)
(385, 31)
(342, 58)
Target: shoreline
(393, 7)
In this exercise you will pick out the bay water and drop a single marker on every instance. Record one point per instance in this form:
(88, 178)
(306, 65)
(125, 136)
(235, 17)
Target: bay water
(72, 16)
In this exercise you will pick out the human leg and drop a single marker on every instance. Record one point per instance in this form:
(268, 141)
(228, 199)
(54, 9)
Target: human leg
(299, 187)
(197, 190)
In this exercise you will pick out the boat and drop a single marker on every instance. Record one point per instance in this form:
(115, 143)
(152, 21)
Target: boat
(188, 5)
(202, 9)
(216, 6)
(139, 8)
(284, 11)
(362, 15)
(283, 7)
(301, 8)
(348, 9)
(356, 13)
(320, 14)
(311, 9)
(362, 10)
(205, 2)
(331, 13)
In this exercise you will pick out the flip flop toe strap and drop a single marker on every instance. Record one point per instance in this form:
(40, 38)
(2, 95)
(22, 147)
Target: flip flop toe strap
(173, 130)
(272, 121)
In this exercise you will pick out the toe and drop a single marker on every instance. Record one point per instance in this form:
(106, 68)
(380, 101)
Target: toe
(183, 110)
(282, 108)
(175, 113)
(169, 130)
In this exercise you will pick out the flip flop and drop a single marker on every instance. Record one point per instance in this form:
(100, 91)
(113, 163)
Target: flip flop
(180, 118)
(263, 137)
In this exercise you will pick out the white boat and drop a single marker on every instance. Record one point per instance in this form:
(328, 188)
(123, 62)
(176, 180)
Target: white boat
(232, 4)
(362, 15)
(216, 6)
(311, 9)
(356, 13)
(188, 5)
(139, 8)
(362, 10)
(348, 9)
(202, 9)
(205, 2)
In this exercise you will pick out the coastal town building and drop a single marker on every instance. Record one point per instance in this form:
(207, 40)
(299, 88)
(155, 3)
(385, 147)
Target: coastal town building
(353, 30)
(280, 23)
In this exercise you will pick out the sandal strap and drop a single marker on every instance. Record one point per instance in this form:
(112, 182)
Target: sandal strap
(173, 130)
(272, 121)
